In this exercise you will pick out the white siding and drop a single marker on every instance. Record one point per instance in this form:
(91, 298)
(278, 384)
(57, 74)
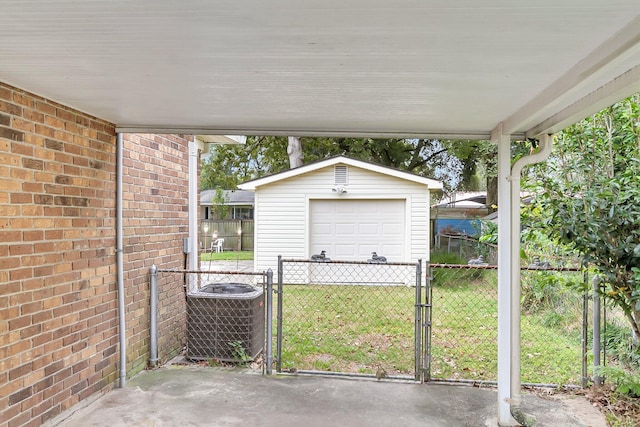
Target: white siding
(282, 211)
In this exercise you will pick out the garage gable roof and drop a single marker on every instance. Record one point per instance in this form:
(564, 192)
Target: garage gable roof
(339, 160)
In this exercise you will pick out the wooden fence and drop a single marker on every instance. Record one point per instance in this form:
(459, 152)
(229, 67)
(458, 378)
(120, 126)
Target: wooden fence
(237, 234)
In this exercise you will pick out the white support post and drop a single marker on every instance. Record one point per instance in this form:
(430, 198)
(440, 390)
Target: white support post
(505, 291)
(192, 244)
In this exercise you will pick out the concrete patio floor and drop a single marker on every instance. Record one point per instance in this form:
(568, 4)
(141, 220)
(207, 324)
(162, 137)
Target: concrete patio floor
(177, 395)
(189, 395)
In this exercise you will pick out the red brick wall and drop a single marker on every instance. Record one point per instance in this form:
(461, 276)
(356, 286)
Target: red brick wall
(156, 222)
(58, 291)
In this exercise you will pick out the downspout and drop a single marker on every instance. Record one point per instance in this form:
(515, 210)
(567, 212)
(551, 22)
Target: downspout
(120, 264)
(546, 144)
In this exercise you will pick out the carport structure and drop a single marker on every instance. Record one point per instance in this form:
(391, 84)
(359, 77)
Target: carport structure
(502, 70)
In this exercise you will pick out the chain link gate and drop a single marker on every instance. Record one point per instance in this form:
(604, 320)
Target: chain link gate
(424, 311)
(366, 319)
(465, 321)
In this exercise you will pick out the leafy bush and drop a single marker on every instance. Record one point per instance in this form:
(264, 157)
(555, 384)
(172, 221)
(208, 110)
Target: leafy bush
(489, 232)
(624, 381)
(587, 194)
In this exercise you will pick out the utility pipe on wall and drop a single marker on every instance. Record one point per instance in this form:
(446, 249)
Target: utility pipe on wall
(546, 144)
(120, 263)
(153, 321)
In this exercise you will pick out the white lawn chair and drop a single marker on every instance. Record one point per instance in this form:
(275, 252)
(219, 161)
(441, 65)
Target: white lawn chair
(218, 245)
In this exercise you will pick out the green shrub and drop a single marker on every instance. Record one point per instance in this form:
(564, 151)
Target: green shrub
(625, 382)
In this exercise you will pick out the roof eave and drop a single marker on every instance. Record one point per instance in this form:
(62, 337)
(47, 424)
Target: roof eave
(254, 184)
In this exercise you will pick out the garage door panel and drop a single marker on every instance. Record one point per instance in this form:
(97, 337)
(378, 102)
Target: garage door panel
(345, 251)
(390, 250)
(321, 229)
(345, 209)
(369, 229)
(352, 229)
(323, 209)
(392, 229)
(345, 229)
(368, 209)
(388, 208)
(365, 251)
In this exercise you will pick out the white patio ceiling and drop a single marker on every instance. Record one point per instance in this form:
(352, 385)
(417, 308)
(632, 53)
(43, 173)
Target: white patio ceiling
(324, 67)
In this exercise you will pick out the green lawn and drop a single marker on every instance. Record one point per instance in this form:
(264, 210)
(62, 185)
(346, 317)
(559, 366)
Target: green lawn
(464, 339)
(348, 328)
(226, 256)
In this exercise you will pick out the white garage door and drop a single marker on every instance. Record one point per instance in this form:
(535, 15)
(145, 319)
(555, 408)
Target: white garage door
(351, 229)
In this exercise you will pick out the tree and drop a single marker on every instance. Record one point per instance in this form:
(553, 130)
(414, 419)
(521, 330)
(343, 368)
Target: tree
(229, 165)
(479, 167)
(588, 194)
(220, 207)
(232, 164)
(294, 150)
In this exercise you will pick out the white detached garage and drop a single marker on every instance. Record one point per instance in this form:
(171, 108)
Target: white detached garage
(346, 207)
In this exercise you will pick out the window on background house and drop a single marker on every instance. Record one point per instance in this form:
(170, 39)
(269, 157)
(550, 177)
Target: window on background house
(242, 212)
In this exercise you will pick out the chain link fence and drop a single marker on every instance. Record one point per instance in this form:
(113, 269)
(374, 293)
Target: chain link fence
(355, 318)
(465, 324)
(210, 315)
(376, 319)
(465, 247)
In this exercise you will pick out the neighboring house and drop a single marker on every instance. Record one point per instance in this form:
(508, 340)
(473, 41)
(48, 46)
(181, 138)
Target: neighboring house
(234, 228)
(346, 207)
(239, 202)
(459, 214)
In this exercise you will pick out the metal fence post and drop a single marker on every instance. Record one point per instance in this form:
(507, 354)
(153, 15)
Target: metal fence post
(279, 318)
(585, 326)
(426, 362)
(418, 325)
(269, 321)
(153, 324)
(596, 330)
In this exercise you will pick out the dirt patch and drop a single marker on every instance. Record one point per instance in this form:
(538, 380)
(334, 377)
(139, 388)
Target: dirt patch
(625, 409)
(618, 410)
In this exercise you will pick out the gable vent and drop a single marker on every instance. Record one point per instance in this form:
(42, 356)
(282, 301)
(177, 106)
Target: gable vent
(340, 175)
